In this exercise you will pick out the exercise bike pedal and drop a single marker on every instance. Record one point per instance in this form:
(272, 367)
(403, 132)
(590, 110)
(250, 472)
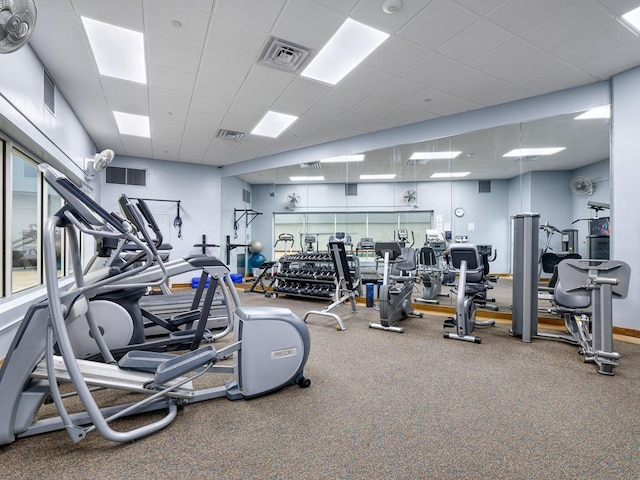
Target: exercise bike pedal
(449, 323)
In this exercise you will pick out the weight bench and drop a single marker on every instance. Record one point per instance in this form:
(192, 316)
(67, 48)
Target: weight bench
(345, 285)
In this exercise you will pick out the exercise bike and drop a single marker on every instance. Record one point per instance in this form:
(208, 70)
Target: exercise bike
(472, 287)
(394, 299)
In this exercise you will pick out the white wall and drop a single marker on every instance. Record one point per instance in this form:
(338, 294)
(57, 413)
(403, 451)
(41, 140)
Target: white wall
(625, 183)
(196, 186)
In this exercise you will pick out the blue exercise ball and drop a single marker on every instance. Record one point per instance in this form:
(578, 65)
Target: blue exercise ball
(256, 260)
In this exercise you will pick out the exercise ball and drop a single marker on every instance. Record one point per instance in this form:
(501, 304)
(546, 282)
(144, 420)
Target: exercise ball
(256, 260)
(255, 246)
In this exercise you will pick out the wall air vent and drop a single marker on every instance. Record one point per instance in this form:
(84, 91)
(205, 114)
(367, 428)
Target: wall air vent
(310, 165)
(230, 135)
(126, 176)
(49, 93)
(283, 55)
(484, 186)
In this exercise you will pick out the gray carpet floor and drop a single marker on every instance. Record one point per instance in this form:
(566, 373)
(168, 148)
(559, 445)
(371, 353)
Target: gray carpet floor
(384, 405)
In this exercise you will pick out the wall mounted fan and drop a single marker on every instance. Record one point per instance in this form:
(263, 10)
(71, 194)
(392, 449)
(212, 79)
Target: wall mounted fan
(581, 185)
(410, 197)
(293, 200)
(99, 162)
(17, 21)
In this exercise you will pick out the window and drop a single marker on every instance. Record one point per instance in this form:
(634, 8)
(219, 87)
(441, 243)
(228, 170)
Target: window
(25, 232)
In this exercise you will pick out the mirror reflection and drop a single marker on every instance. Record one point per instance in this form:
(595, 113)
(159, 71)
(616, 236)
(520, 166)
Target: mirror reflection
(464, 188)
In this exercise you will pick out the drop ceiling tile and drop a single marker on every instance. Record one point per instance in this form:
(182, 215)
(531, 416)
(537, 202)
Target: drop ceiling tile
(341, 6)
(518, 16)
(614, 61)
(323, 113)
(495, 92)
(476, 40)
(351, 120)
(123, 13)
(481, 8)
(432, 68)
(577, 20)
(235, 40)
(126, 96)
(395, 56)
(169, 98)
(536, 68)
(170, 78)
(259, 15)
(398, 90)
(462, 81)
(212, 95)
(506, 57)
(400, 114)
(427, 98)
(440, 21)
(136, 146)
(341, 98)
(242, 118)
(564, 78)
(58, 20)
(291, 106)
(371, 13)
(372, 106)
(365, 80)
(455, 105)
(253, 97)
(600, 40)
(269, 79)
(160, 17)
(163, 52)
(307, 90)
(217, 65)
(307, 24)
(377, 124)
(202, 5)
(168, 113)
(219, 151)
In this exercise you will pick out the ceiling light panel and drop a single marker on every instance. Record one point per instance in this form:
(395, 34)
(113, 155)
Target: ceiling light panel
(530, 152)
(318, 178)
(350, 45)
(633, 17)
(379, 176)
(434, 155)
(130, 124)
(344, 159)
(273, 124)
(599, 112)
(119, 52)
(450, 175)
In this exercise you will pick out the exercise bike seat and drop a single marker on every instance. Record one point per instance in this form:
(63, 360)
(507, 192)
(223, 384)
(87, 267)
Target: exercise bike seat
(406, 262)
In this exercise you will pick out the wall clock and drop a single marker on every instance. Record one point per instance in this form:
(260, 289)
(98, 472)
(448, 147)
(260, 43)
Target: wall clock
(459, 212)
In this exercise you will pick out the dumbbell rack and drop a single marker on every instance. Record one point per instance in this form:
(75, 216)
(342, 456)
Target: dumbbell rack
(306, 274)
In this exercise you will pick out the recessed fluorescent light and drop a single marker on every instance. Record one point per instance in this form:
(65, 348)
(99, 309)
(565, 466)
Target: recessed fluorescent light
(273, 124)
(344, 158)
(433, 155)
(599, 112)
(450, 175)
(633, 17)
(119, 52)
(530, 152)
(351, 44)
(130, 124)
(379, 176)
(318, 178)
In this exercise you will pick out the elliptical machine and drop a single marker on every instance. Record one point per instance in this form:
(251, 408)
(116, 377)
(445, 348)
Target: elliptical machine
(472, 287)
(394, 300)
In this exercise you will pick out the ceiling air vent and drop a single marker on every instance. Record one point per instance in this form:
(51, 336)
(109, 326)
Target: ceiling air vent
(230, 135)
(310, 165)
(284, 55)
